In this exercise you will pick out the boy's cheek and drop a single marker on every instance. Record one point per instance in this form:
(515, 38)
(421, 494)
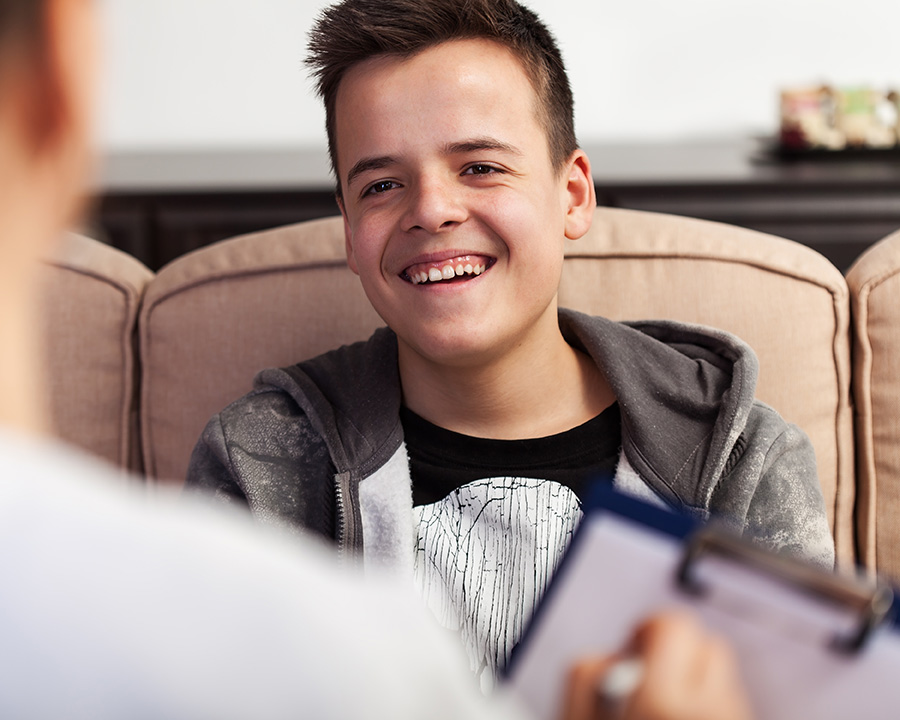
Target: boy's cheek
(360, 258)
(349, 250)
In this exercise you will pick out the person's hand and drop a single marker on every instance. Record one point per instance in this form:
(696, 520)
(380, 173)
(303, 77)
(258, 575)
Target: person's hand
(688, 674)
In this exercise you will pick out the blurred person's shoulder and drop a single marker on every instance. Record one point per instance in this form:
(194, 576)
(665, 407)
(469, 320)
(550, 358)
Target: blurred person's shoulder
(185, 609)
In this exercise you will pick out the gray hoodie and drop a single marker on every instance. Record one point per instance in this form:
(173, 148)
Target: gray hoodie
(319, 445)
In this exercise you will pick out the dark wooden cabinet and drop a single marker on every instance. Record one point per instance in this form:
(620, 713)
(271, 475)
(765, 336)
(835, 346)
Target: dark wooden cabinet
(839, 222)
(158, 206)
(158, 227)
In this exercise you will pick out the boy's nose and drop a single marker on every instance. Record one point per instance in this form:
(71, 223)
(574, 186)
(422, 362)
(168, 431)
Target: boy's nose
(434, 205)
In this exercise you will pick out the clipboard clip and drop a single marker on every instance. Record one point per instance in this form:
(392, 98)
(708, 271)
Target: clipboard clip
(870, 601)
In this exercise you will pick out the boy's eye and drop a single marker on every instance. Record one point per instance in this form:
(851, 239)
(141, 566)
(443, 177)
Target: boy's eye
(480, 169)
(380, 187)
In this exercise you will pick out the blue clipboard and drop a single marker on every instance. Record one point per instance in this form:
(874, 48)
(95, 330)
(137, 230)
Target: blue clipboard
(810, 643)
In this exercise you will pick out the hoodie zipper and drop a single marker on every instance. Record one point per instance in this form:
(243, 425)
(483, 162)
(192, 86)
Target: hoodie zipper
(340, 517)
(347, 523)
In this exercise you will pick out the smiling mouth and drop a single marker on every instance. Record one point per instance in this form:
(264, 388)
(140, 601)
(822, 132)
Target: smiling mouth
(458, 269)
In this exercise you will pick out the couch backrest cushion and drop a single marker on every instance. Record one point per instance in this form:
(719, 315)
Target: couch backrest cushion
(91, 299)
(213, 318)
(874, 281)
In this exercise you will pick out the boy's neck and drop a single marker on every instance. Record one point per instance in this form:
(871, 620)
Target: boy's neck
(522, 394)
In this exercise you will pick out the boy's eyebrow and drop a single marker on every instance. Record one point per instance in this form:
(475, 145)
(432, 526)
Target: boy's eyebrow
(482, 143)
(366, 164)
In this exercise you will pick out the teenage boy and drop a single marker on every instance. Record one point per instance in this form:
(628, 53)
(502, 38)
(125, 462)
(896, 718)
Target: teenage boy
(458, 443)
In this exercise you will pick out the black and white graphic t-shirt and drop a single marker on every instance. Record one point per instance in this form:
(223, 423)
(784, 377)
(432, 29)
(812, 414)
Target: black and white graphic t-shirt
(493, 518)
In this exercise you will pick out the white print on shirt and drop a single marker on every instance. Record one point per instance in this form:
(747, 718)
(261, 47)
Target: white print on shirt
(484, 556)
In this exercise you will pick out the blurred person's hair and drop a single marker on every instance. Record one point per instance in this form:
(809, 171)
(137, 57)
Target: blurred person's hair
(19, 22)
(353, 31)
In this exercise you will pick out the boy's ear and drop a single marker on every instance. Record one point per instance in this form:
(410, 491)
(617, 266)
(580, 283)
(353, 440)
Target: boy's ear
(348, 237)
(581, 199)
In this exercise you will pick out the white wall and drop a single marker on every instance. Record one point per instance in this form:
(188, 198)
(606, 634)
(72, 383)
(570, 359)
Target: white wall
(229, 73)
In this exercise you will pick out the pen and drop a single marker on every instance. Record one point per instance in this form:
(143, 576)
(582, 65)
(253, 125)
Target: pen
(619, 682)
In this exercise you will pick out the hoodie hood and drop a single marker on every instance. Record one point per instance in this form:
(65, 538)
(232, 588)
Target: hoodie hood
(684, 393)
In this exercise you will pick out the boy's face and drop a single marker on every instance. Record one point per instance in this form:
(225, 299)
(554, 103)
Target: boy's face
(455, 217)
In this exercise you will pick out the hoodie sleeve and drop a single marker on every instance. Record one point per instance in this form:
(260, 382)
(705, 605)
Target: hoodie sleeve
(777, 477)
(210, 471)
(262, 452)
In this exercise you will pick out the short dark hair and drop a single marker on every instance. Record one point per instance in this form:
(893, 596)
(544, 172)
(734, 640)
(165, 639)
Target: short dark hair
(353, 31)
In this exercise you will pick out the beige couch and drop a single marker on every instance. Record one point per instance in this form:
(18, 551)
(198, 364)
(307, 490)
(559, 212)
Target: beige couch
(207, 322)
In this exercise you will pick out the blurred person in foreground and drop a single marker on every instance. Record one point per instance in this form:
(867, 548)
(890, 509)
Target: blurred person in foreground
(113, 605)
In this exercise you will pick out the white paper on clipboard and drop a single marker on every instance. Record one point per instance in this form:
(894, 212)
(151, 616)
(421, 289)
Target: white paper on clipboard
(620, 570)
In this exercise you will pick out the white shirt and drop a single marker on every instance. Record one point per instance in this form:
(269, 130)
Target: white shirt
(114, 604)
(484, 557)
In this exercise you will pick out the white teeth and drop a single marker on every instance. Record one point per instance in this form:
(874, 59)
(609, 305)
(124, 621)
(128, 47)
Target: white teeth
(448, 272)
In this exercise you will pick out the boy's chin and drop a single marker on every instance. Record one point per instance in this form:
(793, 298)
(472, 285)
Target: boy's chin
(452, 351)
